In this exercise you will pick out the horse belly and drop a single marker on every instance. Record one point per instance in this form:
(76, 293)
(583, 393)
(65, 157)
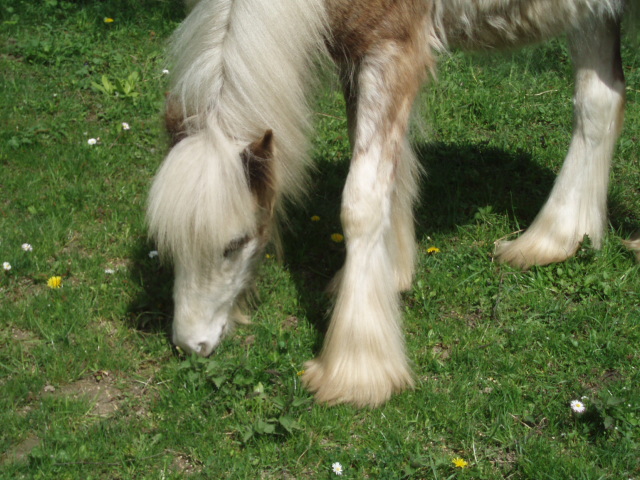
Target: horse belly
(490, 24)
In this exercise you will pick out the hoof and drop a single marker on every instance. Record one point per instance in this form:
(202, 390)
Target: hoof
(366, 386)
(528, 250)
(633, 244)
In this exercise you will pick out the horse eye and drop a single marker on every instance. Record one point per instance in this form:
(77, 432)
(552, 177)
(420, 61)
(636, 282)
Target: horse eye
(235, 245)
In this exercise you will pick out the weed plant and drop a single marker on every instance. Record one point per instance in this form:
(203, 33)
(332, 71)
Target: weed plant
(91, 387)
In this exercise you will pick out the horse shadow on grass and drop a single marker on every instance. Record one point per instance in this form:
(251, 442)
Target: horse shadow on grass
(460, 179)
(151, 311)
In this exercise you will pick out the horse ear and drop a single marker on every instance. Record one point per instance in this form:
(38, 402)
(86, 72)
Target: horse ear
(174, 120)
(257, 159)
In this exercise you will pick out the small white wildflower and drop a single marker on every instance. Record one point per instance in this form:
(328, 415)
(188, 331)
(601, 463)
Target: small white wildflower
(153, 254)
(165, 72)
(6, 266)
(125, 126)
(27, 247)
(92, 141)
(109, 271)
(577, 406)
(337, 468)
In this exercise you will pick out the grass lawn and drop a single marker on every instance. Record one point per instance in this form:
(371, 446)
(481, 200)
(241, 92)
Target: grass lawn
(90, 386)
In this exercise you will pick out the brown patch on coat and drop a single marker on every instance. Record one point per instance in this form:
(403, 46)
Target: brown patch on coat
(392, 36)
(358, 26)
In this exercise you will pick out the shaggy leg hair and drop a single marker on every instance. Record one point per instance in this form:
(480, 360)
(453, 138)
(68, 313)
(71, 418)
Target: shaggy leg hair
(401, 237)
(577, 205)
(363, 359)
(401, 241)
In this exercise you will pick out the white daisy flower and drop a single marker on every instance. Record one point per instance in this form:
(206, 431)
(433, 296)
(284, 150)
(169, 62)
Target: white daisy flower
(92, 141)
(165, 72)
(337, 468)
(153, 254)
(27, 247)
(6, 266)
(577, 406)
(125, 126)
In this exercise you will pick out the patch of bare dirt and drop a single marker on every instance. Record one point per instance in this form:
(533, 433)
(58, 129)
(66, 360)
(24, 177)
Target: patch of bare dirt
(19, 452)
(441, 351)
(185, 464)
(290, 323)
(105, 392)
(24, 336)
(99, 391)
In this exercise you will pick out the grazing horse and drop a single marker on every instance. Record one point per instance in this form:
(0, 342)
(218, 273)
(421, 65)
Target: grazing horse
(239, 122)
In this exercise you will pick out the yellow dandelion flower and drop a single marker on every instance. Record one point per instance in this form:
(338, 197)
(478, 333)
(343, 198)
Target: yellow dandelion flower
(459, 462)
(108, 20)
(300, 373)
(315, 218)
(337, 237)
(432, 250)
(268, 256)
(54, 282)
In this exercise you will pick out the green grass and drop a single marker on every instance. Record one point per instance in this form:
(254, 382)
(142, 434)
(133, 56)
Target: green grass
(90, 386)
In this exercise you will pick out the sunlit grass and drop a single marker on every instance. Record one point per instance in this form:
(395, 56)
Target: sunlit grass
(90, 386)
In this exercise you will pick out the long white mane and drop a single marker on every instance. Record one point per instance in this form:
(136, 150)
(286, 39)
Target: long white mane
(240, 68)
(246, 66)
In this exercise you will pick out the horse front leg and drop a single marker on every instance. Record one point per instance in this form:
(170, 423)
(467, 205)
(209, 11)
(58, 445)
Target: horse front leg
(401, 237)
(577, 205)
(363, 359)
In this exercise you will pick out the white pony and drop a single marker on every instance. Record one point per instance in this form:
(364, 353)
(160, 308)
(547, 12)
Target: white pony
(239, 120)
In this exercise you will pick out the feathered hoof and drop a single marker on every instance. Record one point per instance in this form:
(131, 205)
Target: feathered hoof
(366, 386)
(525, 252)
(633, 244)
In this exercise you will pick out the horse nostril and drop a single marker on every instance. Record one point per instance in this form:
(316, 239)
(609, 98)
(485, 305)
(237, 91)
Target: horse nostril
(204, 349)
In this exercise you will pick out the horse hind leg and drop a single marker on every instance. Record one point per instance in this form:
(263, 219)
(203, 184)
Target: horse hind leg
(577, 205)
(363, 360)
(633, 244)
